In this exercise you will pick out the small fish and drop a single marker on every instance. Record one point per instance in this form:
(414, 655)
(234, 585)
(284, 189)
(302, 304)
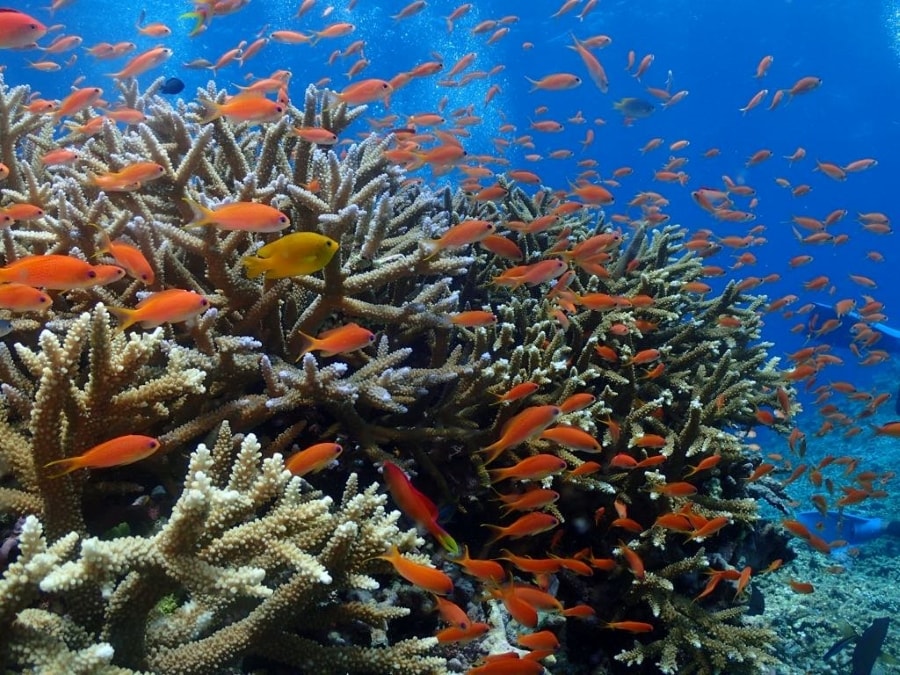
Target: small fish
(313, 459)
(634, 108)
(524, 426)
(114, 452)
(293, 255)
(50, 271)
(555, 82)
(245, 107)
(131, 259)
(420, 575)
(365, 91)
(524, 526)
(317, 135)
(416, 506)
(530, 468)
(171, 306)
(6, 327)
(18, 29)
(171, 86)
(248, 216)
(143, 62)
(340, 340)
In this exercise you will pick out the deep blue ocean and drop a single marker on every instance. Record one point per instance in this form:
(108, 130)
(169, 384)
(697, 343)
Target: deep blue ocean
(710, 48)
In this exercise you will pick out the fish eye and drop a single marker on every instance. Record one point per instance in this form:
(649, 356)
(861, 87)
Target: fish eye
(283, 219)
(43, 298)
(92, 274)
(278, 108)
(144, 277)
(204, 302)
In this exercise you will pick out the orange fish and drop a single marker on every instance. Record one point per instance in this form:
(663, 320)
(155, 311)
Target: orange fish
(572, 438)
(366, 91)
(340, 340)
(245, 107)
(248, 216)
(593, 65)
(78, 100)
(555, 82)
(525, 425)
(313, 459)
(420, 575)
(52, 271)
(134, 174)
(22, 298)
(115, 452)
(530, 468)
(128, 257)
(528, 501)
(524, 526)
(486, 570)
(172, 306)
(462, 234)
(19, 30)
(317, 135)
(143, 62)
(416, 505)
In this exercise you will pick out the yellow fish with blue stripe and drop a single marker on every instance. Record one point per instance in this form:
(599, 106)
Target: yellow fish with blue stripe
(291, 256)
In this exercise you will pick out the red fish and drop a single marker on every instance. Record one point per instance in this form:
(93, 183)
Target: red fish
(18, 30)
(417, 506)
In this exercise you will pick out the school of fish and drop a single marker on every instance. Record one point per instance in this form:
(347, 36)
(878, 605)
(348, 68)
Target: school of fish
(433, 144)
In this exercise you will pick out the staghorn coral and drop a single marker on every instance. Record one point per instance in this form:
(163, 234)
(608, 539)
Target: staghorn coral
(236, 590)
(422, 392)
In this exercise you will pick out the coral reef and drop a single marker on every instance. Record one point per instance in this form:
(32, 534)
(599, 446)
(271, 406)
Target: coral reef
(622, 319)
(249, 542)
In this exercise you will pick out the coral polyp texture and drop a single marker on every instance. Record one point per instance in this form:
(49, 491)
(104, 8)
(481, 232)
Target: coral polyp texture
(599, 355)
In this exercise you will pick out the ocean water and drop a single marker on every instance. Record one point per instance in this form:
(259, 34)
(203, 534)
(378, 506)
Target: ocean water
(710, 48)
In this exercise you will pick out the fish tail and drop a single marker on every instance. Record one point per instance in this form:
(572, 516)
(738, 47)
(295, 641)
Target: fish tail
(255, 265)
(307, 342)
(499, 533)
(534, 83)
(443, 537)
(201, 213)
(211, 111)
(104, 247)
(68, 465)
(125, 316)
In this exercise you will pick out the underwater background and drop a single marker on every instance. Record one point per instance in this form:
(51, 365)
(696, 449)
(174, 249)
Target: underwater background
(711, 52)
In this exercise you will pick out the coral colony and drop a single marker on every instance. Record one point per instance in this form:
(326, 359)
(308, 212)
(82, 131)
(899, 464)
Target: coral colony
(560, 409)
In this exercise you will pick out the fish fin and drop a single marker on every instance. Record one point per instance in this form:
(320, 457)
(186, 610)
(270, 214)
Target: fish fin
(105, 238)
(70, 464)
(307, 342)
(211, 110)
(127, 317)
(201, 213)
(255, 266)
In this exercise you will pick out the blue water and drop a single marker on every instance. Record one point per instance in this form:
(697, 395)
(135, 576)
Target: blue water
(710, 47)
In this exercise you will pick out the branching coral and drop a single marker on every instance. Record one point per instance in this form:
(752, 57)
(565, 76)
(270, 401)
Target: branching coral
(673, 385)
(251, 542)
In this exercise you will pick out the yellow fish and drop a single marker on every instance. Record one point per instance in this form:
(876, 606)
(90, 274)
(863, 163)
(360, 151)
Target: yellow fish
(291, 256)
